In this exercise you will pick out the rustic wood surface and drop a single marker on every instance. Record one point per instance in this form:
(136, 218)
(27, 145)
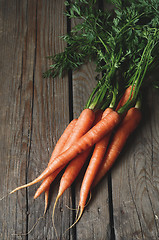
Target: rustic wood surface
(34, 113)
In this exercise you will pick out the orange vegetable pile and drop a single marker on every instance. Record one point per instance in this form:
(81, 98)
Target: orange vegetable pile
(97, 136)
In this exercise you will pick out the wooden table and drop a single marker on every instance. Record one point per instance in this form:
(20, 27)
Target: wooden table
(34, 113)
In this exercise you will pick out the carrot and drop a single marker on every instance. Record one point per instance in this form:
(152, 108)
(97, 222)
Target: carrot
(57, 150)
(62, 140)
(93, 166)
(73, 169)
(95, 134)
(75, 165)
(46, 183)
(83, 124)
(70, 174)
(124, 98)
(127, 126)
(97, 157)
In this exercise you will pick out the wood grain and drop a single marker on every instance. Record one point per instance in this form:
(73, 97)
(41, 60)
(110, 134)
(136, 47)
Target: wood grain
(15, 118)
(50, 117)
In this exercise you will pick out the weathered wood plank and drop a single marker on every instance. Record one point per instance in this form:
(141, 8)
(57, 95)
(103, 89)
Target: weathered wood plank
(135, 179)
(50, 117)
(34, 113)
(16, 105)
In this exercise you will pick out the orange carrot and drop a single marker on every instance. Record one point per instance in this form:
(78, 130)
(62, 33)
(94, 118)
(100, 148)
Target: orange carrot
(72, 171)
(57, 150)
(46, 183)
(74, 168)
(95, 161)
(62, 140)
(127, 126)
(76, 164)
(95, 134)
(83, 124)
(124, 98)
(69, 176)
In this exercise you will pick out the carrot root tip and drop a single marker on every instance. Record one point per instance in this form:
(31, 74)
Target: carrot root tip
(77, 212)
(53, 213)
(90, 197)
(46, 202)
(78, 216)
(36, 196)
(23, 186)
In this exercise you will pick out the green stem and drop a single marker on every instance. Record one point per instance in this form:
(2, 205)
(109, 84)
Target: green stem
(92, 97)
(112, 104)
(103, 44)
(139, 76)
(131, 21)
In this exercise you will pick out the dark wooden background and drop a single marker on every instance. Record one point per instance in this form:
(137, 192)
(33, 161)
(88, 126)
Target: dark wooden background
(34, 113)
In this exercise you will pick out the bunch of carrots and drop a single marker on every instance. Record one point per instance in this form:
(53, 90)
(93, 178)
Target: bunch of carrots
(96, 135)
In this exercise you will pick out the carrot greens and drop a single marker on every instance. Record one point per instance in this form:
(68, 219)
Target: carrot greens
(120, 42)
